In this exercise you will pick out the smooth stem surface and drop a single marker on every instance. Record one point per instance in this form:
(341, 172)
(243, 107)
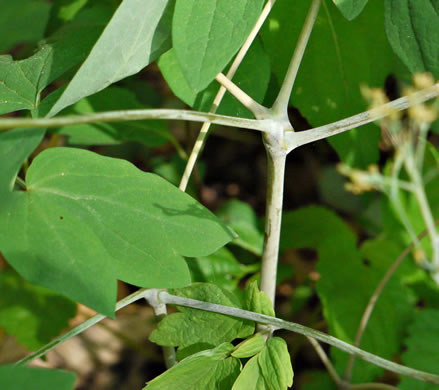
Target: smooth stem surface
(159, 296)
(372, 386)
(273, 219)
(295, 139)
(131, 115)
(258, 110)
(282, 101)
(200, 141)
(277, 323)
(373, 299)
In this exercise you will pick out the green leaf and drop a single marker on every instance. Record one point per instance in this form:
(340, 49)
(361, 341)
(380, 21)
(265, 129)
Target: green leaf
(22, 81)
(252, 76)
(214, 369)
(21, 378)
(107, 218)
(206, 35)
(339, 58)
(257, 301)
(15, 147)
(22, 21)
(275, 364)
(32, 314)
(251, 377)
(137, 34)
(350, 8)
(220, 268)
(422, 349)
(249, 347)
(243, 220)
(412, 29)
(317, 380)
(191, 326)
(151, 132)
(340, 264)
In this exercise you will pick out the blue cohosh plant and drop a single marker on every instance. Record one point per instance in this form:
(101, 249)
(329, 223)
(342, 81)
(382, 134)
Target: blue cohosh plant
(65, 187)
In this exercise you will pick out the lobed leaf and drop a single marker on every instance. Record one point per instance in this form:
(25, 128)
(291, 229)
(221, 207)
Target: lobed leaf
(206, 35)
(197, 327)
(108, 219)
(340, 264)
(249, 347)
(32, 314)
(213, 369)
(258, 301)
(14, 377)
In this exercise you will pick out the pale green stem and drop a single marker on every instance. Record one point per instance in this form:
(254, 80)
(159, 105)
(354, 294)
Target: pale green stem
(258, 110)
(276, 323)
(295, 139)
(280, 106)
(273, 218)
(160, 311)
(424, 205)
(199, 143)
(421, 145)
(132, 115)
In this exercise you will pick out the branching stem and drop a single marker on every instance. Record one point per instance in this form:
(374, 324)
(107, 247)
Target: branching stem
(132, 115)
(199, 143)
(280, 106)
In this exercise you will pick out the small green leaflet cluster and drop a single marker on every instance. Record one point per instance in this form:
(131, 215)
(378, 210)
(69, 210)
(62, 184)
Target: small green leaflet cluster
(195, 331)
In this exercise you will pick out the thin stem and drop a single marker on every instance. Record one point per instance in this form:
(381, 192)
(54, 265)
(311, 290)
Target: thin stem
(143, 293)
(258, 110)
(160, 311)
(273, 219)
(295, 139)
(424, 205)
(166, 298)
(132, 115)
(281, 104)
(20, 182)
(277, 323)
(326, 361)
(374, 298)
(199, 143)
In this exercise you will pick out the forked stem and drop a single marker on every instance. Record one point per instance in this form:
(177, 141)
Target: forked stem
(201, 139)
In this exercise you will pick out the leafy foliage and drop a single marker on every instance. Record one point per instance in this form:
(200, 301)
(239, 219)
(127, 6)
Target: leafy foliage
(32, 314)
(205, 35)
(93, 209)
(327, 90)
(195, 327)
(213, 369)
(411, 27)
(422, 348)
(119, 52)
(350, 8)
(336, 247)
(19, 378)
